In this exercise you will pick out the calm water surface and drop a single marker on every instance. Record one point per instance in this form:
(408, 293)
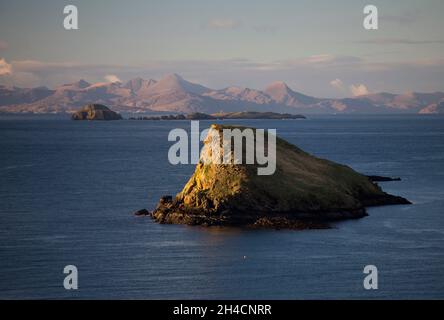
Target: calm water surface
(68, 190)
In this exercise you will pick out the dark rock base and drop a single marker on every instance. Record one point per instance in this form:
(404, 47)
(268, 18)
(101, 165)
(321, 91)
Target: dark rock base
(174, 212)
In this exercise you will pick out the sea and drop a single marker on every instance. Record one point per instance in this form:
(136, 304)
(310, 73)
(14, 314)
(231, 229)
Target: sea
(68, 190)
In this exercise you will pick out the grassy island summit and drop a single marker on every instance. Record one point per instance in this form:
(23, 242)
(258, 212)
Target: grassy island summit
(304, 192)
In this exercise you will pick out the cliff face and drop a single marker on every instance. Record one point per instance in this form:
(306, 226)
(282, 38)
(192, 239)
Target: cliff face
(96, 112)
(303, 192)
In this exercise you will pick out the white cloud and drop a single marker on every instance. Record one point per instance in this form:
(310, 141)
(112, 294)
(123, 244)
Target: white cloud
(112, 78)
(358, 90)
(331, 60)
(39, 66)
(404, 41)
(404, 18)
(321, 58)
(5, 68)
(223, 24)
(28, 73)
(337, 83)
(355, 89)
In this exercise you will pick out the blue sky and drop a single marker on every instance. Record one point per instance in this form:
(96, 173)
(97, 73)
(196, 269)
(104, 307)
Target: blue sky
(317, 47)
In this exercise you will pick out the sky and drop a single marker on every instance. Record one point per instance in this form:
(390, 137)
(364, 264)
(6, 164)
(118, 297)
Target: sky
(318, 47)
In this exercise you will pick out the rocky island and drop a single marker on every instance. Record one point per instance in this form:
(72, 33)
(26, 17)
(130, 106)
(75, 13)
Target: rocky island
(304, 192)
(96, 112)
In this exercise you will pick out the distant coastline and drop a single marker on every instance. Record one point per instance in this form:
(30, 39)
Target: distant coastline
(247, 115)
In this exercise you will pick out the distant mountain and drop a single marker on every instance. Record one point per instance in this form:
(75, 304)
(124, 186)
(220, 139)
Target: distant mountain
(384, 103)
(282, 94)
(140, 87)
(172, 93)
(70, 97)
(434, 108)
(240, 94)
(412, 101)
(81, 84)
(175, 83)
(14, 95)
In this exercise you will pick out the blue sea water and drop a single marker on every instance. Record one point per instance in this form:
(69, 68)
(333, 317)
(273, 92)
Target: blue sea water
(68, 190)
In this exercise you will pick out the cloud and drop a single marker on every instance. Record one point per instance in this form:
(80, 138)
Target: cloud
(404, 18)
(41, 66)
(5, 68)
(399, 41)
(427, 62)
(321, 58)
(30, 73)
(318, 62)
(359, 90)
(112, 78)
(222, 24)
(330, 60)
(9, 75)
(337, 83)
(356, 90)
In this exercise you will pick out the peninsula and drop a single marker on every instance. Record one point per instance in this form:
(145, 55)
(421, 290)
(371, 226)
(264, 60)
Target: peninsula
(246, 115)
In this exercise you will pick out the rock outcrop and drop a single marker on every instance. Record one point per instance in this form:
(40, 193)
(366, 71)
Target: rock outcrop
(96, 112)
(304, 192)
(383, 179)
(142, 212)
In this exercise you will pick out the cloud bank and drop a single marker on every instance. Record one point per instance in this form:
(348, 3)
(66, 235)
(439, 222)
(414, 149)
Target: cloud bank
(222, 24)
(337, 83)
(359, 90)
(5, 68)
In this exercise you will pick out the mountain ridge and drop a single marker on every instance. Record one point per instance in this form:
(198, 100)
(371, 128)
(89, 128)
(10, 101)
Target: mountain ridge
(172, 93)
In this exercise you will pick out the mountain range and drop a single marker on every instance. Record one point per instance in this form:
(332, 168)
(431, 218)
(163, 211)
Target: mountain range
(174, 94)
